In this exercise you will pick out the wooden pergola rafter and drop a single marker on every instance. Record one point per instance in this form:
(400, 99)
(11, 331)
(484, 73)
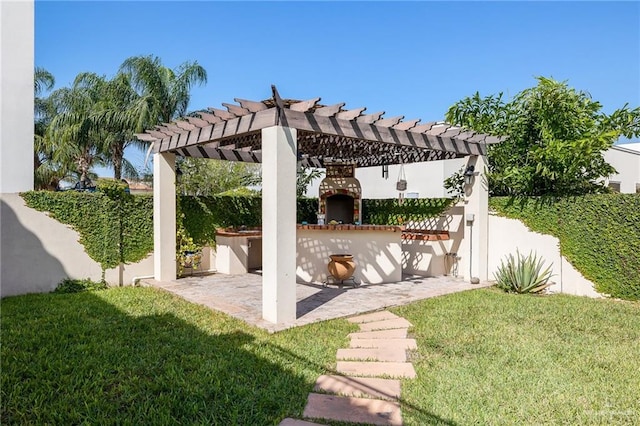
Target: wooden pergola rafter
(325, 134)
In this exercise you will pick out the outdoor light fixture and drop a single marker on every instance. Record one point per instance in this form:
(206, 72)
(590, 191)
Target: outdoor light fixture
(469, 175)
(385, 171)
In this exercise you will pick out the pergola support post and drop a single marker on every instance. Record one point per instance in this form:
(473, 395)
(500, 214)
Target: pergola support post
(164, 217)
(476, 221)
(279, 160)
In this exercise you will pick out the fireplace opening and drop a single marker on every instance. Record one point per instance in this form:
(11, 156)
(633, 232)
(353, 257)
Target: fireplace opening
(340, 208)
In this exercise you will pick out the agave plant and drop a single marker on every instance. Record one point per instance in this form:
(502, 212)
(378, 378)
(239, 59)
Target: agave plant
(523, 274)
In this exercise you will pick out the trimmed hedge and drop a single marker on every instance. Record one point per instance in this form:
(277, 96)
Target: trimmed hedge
(115, 226)
(389, 212)
(599, 235)
(202, 215)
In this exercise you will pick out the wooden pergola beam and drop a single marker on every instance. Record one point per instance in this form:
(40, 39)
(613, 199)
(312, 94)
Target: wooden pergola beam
(323, 131)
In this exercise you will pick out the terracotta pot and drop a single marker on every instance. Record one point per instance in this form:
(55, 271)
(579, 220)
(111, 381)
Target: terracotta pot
(341, 266)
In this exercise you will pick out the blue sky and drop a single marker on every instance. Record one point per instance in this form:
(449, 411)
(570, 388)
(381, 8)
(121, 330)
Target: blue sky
(406, 58)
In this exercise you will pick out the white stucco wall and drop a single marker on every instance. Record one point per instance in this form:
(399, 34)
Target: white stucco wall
(627, 164)
(508, 235)
(16, 95)
(37, 252)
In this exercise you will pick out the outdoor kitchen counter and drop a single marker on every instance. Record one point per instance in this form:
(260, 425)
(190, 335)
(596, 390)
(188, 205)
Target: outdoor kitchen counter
(352, 228)
(376, 250)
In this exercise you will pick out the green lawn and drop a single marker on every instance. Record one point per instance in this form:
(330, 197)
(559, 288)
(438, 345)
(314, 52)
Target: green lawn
(486, 357)
(142, 356)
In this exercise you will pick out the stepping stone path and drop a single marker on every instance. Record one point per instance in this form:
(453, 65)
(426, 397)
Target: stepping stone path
(368, 389)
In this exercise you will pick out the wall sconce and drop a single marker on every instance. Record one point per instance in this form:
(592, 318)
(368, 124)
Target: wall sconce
(469, 175)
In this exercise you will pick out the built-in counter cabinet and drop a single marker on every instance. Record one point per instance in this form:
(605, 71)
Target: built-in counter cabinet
(376, 250)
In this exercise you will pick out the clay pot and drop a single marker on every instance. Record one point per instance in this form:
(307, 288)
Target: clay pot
(341, 266)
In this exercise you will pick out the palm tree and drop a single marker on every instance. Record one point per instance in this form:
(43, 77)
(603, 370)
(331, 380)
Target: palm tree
(119, 112)
(165, 93)
(47, 174)
(78, 137)
(42, 80)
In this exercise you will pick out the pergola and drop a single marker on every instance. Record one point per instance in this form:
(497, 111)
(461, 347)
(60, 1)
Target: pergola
(280, 134)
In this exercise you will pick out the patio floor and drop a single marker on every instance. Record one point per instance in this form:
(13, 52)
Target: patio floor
(241, 296)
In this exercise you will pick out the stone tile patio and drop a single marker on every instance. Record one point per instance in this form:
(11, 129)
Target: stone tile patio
(241, 296)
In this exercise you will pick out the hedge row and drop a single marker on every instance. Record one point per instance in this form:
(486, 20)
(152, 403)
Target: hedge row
(202, 215)
(599, 235)
(115, 226)
(389, 212)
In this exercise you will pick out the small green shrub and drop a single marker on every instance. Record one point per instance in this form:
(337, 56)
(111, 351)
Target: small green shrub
(69, 285)
(455, 184)
(523, 275)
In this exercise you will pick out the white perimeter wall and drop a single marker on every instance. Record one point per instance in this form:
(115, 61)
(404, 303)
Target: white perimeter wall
(508, 235)
(37, 252)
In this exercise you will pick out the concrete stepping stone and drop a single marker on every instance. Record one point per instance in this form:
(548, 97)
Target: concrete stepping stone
(361, 387)
(374, 316)
(296, 422)
(373, 354)
(355, 410)
(385, 324)
(394, 333)
(384, 343)
(376, 369)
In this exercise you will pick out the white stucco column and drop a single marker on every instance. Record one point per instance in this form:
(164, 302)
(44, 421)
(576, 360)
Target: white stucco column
(164, 217)
(16, 95)
(476, 222)
(279, 159)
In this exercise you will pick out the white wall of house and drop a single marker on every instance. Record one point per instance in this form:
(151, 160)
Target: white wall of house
(38, 252)
(626, 160)
(424, 180)
(16, 95)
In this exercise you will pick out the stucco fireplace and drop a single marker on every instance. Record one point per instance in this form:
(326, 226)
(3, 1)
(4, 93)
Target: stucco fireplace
(340, 195)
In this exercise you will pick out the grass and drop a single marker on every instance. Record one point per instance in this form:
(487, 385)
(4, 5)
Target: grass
(142, 356)
(486, 357)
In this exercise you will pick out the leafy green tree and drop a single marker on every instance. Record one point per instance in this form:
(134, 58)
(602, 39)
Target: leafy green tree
(555, 138)
(304, 177)
(204, 177)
